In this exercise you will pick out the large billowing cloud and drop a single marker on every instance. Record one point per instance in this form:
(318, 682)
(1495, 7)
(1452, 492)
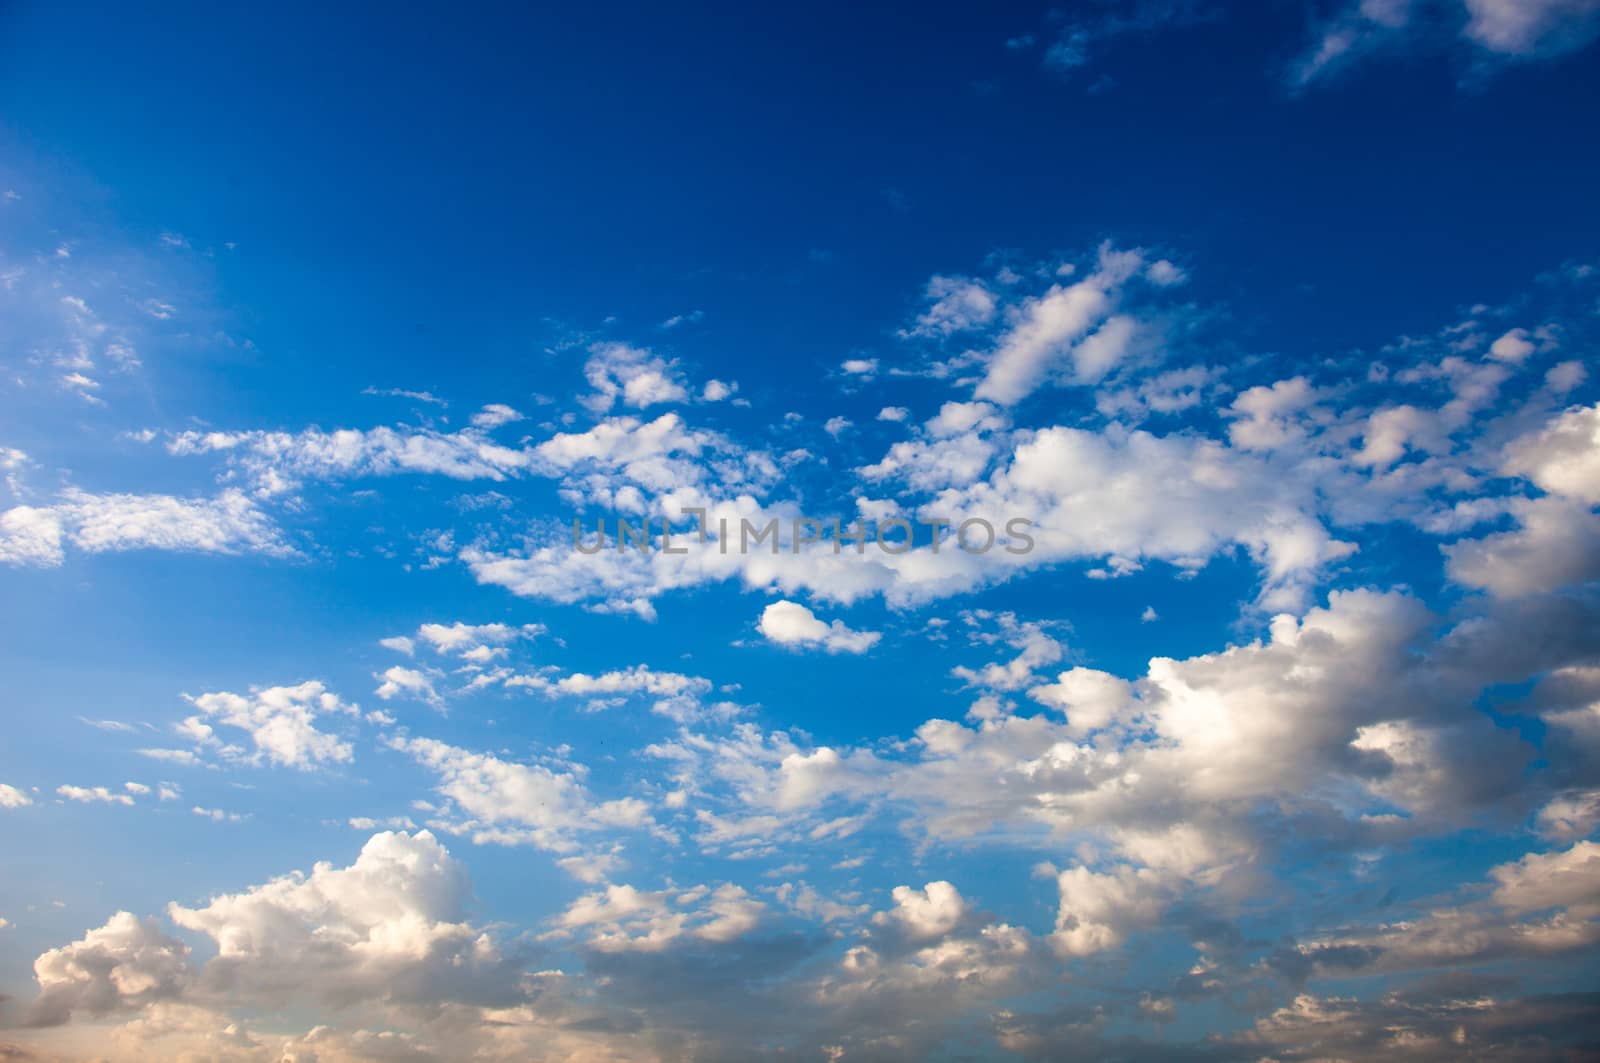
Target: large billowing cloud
(1071, 851)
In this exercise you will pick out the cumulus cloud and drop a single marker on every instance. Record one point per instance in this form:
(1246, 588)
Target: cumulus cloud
(1563, 457)
(955, 305)
(508, 803)
(632, 376)
(93, 794)
(280, 723)
(120, 966)
(622, 919)
(390, 927)
(931, 912)
(793, 625)
(494, 415)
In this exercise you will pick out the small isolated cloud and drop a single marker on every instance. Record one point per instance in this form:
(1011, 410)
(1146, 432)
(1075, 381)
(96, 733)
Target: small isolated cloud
(494, 415)
(893, 413)
(85, 795)
(401, 393)
(717, 390)
(11, 797)
(793, 625)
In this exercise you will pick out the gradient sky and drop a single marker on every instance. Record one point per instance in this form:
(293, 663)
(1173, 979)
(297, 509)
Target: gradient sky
(319, 329)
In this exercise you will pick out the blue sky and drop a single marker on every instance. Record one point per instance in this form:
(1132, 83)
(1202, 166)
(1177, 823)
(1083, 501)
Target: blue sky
(321, 328)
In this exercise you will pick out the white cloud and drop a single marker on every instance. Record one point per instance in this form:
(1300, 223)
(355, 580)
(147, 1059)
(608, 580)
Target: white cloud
(1070, 331)
(1563, 457)
(508, 803)
(1091, 699)
(407, 682)
(494, 415)
(931, 912)
(792, 624)
(90, 794)
(717, 390)
(227, 524)
(120, 966)
(1556, 544)
(1570, 817)
(11, 797)
(1568, 879)
(631, 375)
(621, 918)
(1513, 346)
(1099, 909)
(217, 815)
(955, 305)
(389, 927)
(279, 721)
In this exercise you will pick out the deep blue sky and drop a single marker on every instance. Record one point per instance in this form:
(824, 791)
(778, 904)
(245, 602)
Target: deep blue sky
(292, 213)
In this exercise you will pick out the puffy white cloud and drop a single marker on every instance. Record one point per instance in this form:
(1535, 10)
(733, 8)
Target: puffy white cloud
(621, 918)
(120, 966)
(1563, 457)
(1128, 497)
(931, 912)
(91, 794)
(1557, 544)
(1099, 909)
(391, 926)
(1513, 346)
(1036, 649)
(100, 523)
(407, 682)
(507, 803)
(280, 723)
(1048, 334)
(792, 624)
(1268, 418)
(607, 688)
(11, 797)
(494, 415)
(632, 375)
(955, 305)
(1091, 699)
(717, 390)
(1568, 879)
(1570, 816)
